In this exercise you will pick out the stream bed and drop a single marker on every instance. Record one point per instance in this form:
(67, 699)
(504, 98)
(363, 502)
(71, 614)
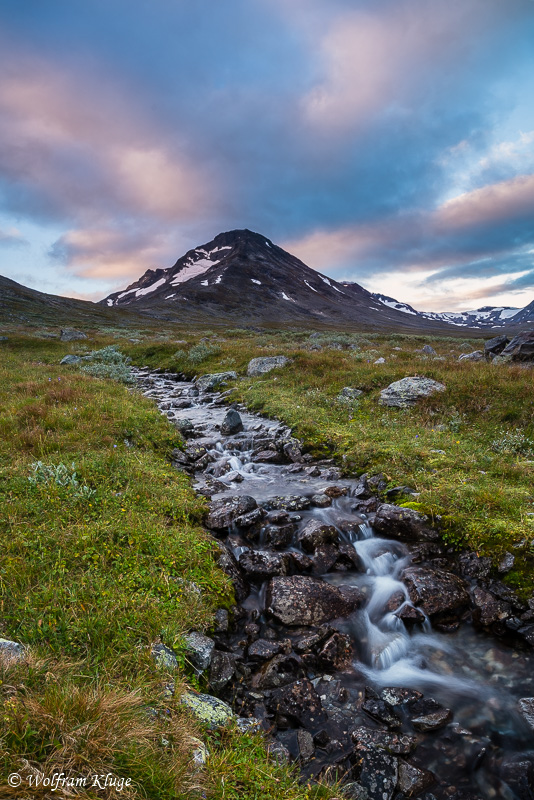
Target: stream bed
(366, 658)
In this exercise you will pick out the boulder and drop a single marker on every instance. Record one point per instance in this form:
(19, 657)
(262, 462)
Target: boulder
(208, 709)
(377, 773)
(521, 348)
(476, 355)
(301, 600)
(232, 423)
(200, 649)
(164, 656)
(407, 391)
(404, 524)
(493, 347)
(225, 511)
(299, 702)
(208, 383)
(316, 533)
(428, 350)
(436, 591)
(11, 651)
(71, 335)
(413, 780)
(259, 366)
(489, 609)
(70, 359)
(400, 744)
(279, 671)
(222, 670)
(349, 395)
(526, 709)
(262, 564)
(227, 562)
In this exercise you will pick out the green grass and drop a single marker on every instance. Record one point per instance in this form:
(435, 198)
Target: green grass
(103, 554)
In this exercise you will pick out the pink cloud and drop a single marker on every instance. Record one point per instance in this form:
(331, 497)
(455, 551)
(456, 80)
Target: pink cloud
(496, 203)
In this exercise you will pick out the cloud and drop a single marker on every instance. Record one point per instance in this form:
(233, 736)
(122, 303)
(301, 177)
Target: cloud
(12, 237)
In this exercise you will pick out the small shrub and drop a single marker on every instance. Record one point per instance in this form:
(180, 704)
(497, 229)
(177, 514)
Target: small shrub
(513, 441)
(109, 363)
(61, 475)
(201, 352)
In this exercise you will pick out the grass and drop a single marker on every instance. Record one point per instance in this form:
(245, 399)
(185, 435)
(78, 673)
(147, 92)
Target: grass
(103, 554)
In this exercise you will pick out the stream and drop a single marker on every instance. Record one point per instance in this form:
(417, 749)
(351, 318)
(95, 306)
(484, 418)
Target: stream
(388, 697)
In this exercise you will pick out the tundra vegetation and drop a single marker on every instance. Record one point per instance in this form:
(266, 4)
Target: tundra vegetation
(104, 551)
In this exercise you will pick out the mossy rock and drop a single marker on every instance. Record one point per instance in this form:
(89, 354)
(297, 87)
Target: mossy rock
(208, 709)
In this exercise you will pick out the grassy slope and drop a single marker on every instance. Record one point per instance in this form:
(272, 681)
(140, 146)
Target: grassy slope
(90, 577)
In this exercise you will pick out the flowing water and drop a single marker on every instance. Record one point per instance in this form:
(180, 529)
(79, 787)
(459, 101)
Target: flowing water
(469, 672)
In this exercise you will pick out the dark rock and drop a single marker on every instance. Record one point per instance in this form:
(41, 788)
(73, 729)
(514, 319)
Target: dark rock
(299, 702)
(377, 772)
(393, 743)
(382, 711)
(305, 745)
(321, 500)
(309, 641)
(521, 348)
(225, 511)
(400, 491)
(232, 423)
(299, 600)
(227, 562)
(348, 557)
(164, 657)
(186, 427)
(221, 621)
(301, 562)
(200, 649)
(526, 709)
(428, 715)
(398, 697)
(293, 452)
(436, 591)
(222, 670)
(251, 518)
(413, 780)
(278, 517)
(279, 536)
(264, 649)
(518, 772)
(473, 566)
(71, 335)
(262, 564)
(506, 563)
(336, 652)
(279, 671)
(289, 503)
(488, 609)
(410, 615)
(316, 533)
(278, 752)
(404, 524)
(268, 457)
(493, 347)
(324, 558)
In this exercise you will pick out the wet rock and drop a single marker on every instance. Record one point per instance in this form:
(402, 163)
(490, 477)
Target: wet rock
(279, 536)
(413, 780)
(488, 609)
(377, 772)
(279, 671)
(208, 709)
(410, 615)
(381, 711)
(227, 562)
(305, 745)
(301, 562)
(186, 427)
(493, 347)
(164, 656)
(321, 500)
(506, 563)
(398, 697)
(293, 451)
(518, 772)
(404, 524)
(13, 651)
(399, 744)
(407, 391)
(222, 670)
(259, 366)
(71, 335)
(264, 649)
(436, 591)
(300, 600)
(428, 715)
(298, 702)
(354, 791)
(223, 512)
(200, 649)
(267, 457)
(336, 652)
(70, 359)
(220, 468)
(520, 349)
(316, 533)
(309, 641)
(208, 383)
(232, 423)
(473, 566)
(288, 503)
(325, 557)
(400, 491)
(348, 558)
(221, 621)
(262, 564)
(476, 355)
(526, 709)
(251, 518)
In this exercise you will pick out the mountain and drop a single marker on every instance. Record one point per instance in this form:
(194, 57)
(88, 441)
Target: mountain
(244, 278)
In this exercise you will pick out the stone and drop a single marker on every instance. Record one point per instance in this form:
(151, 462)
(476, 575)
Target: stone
(321, 500)
(279, 671)
(520, 349)
(232, 423)
(398, 697)
(526, 709)
(164, 656)
(476, 355)
(316, 533)
(200, 649)
(305, 745)
(382, 711)
(293, 451)
(488, 609)
(506, 563)
(404, 524)
(336, 652)
(70, 360)
(11, 651)
(407, 391)
(349, 395)
(410, 615)
(227, 562)
(302, 600)
(225, 511)
(71, 335)
(380, 361)
(208, 383)
(401, 491)
(259, 366)
(436, 591)
(185, 426)
(279, 536)
(278, 752)
(400, 744)
(222, 622)
(413, 780)
(428, 715)
(494, 347)
(210, 710)
(324, 558)
(262, 564)
(265, 649)
(299, 702)
(292, 502)
(378, 773)
(474, 566)
(428, 350)
(222, 670)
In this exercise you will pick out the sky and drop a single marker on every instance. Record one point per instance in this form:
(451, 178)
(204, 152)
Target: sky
(387, 142)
